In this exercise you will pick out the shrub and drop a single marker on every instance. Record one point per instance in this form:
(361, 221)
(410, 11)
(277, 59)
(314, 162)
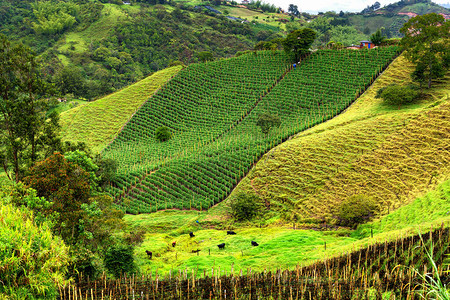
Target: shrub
(163, 134)
(355, 210)
(136, 236)
(266, 121)
(119, 260)
(398, 95)
(245, 206)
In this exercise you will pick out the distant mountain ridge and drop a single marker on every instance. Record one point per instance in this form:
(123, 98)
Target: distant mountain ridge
(92, 48)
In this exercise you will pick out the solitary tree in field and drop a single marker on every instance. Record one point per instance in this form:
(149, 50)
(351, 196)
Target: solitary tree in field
(427, 44)
(397, 95)
(205, 56)
(298, 42)
(293, 9)
(266, 121)
(163, 134)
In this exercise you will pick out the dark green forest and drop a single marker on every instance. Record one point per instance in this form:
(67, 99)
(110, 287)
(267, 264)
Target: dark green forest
(89, 48)
(144, 38)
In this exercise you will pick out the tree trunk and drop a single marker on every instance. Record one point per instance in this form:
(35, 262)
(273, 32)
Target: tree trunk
(33, 147)
(16, 163)
(5, 167)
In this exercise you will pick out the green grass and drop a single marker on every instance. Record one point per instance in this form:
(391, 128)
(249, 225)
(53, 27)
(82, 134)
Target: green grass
(280, 246)
(97, 123)
(431, 208)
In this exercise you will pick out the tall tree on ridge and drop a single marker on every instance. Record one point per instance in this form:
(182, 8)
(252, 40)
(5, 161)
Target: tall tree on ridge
(297, 42)
(427, 44)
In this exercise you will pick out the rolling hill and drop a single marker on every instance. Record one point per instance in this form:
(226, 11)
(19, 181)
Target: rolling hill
(97, 123)
(389, 154)
(212, 111)
(324, 156)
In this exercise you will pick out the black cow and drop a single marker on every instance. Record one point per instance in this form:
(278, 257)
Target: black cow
(149, 254)
(174, 244)
(191, 234)
(255, 243)
(196, 251)
(231, 232)
(221, 246)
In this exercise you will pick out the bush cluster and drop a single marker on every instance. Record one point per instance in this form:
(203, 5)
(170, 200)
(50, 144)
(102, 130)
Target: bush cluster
(398, 95)
(245, 206)
(355, 210)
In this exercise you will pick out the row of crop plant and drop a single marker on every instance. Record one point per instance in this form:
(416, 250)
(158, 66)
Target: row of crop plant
(319, 88)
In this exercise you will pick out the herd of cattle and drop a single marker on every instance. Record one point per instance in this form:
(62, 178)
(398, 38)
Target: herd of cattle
(191, 234)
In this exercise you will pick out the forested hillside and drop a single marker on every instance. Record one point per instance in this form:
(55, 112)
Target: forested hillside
(90, 48)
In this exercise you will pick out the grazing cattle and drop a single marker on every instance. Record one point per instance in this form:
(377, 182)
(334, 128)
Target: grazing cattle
(174, 244)
(255, 243)
(229, 232)
(195, 251)
(221, 246)
(191, 234)
(149, 254)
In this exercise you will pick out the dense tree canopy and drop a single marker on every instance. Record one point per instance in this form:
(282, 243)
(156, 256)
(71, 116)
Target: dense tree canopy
(23, 126)
(64, 184)
(298, 42)
(377, 38)
(427, 44)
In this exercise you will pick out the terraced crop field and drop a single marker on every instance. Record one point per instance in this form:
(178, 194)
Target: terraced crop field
(212, 110)
(390, 154)
(97, 123)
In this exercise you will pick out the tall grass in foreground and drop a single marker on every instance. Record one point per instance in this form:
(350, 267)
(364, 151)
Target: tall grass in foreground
(369, 273)
(432, 285)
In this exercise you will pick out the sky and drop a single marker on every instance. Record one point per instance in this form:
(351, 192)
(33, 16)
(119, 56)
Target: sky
(314, 6)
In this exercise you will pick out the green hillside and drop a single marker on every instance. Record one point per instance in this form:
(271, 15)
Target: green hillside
(356, 135)
(97, 123)
(218, 140)
(389, 154)
(91, 48)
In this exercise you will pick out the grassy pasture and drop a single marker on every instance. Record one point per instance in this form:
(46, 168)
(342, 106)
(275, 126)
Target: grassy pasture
(97, 123)
(280, 246)
(383, 270)
(216, 142)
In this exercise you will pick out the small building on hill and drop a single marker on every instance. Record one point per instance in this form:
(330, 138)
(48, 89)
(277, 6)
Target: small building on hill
(366, 44)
